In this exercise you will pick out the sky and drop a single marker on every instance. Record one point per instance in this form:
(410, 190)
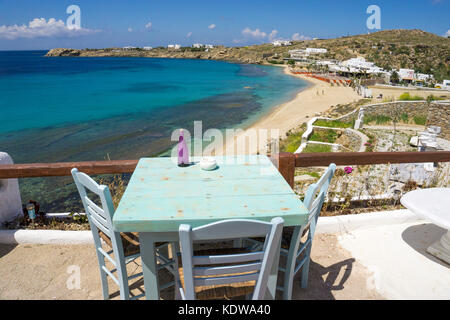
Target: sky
(35, 25)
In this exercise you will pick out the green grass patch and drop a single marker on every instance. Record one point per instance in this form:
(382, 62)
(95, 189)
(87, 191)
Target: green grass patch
(407, 97)
(307, 172)
(324, 136)
(317, 148)
(313, 174)
(420, 120)
(332, 123)
(378, 119)
(434, 98)
(291, 142)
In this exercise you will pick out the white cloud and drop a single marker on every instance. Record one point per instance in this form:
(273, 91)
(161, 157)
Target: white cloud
(211, 26)
(148, 25)
(273, 34)
(254, 33)
(189, 34)
(40, 27)
(298, 37)
(130, 29)
(447, 34)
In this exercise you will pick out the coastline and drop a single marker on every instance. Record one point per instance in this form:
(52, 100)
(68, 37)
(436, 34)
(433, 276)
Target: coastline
(289, 115)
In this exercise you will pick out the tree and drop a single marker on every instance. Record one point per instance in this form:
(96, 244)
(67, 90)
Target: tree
(394, 77)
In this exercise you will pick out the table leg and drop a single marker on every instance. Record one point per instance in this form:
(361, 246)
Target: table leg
(272, 281)
(441, 248)
(149, 265)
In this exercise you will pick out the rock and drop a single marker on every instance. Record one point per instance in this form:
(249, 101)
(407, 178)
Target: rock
(414, 142)
(304, 178)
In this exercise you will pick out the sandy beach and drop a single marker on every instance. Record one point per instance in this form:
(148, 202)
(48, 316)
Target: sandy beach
(318, 97)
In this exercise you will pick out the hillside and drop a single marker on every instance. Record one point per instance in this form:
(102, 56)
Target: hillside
(413, 49)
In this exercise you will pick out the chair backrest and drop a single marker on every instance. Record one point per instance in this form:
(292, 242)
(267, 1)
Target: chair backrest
(100, 217)
(315, 195)
(229, 268)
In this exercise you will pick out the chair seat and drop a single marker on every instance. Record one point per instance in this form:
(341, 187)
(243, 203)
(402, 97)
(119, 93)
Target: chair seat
(286, 236)
(130, 242)
(225, 291)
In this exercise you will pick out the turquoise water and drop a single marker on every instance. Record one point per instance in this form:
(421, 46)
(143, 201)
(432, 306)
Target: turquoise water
(75, 109)
(72, 108)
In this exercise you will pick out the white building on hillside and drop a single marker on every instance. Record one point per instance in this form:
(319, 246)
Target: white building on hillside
(129, 48)
(199, 45)
(406, 74)
(444, 85)
(423, 77)
(147, 48)
(315, 50)
(174, 46)
(360, 65)
(279, 43)
(304, 53)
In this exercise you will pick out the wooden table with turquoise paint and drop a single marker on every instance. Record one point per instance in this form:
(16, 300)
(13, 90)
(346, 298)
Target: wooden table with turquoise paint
(160, 196)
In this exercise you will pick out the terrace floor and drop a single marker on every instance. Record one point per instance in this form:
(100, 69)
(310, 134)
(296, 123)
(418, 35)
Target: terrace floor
(380, 262)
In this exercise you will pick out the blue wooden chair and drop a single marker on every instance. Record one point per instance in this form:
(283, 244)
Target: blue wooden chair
(229, 273)
(124, 246)
(298, 253)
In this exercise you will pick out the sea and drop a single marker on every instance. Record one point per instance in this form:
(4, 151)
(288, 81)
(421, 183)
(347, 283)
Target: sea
(56, 109)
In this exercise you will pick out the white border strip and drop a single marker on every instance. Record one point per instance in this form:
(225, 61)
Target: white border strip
(337, 224)
(347, 223)
(46, 237)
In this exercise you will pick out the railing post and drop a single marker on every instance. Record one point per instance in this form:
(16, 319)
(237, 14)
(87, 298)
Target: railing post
(286, 166)
(10, 200)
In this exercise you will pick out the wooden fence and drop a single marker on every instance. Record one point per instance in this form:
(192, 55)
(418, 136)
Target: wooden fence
(286, 163)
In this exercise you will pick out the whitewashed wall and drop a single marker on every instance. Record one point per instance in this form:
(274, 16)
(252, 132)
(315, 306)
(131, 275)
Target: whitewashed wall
(10, 201)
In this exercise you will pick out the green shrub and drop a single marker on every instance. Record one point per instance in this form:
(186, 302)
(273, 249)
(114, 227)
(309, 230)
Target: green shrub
(407, 97)
(333, 123)
(404, 117)
(276, 62)
(420, 120)
(433, 98)
(329, 136)
(291, 142)
(378, 119)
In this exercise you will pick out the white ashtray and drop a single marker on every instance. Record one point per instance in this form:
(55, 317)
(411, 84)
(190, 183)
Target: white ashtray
(208, 163)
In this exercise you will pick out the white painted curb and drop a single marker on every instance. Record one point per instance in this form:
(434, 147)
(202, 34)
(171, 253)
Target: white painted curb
(46, 237)
(347, 223)
(337, 224)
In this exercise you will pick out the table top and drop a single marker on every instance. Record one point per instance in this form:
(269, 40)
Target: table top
(160, 195)
(432, 204)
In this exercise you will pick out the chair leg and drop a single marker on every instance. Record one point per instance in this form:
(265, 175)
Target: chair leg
(305, 269)
(104, 280)
(103, 276)
(123, 283)
(290, 265)
(175, 248)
